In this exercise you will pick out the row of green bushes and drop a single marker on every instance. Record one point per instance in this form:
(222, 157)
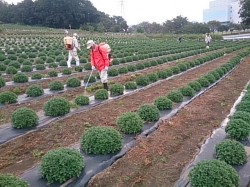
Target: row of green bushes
(228, 152)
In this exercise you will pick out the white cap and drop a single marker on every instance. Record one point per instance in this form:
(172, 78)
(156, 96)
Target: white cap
(76, 35)
(66, 32)
(90, 43)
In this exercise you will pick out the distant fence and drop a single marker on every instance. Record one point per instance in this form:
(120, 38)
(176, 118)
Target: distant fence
(237, 37)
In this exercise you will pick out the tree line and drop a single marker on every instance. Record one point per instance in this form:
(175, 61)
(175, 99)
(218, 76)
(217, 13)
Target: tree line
(81, 14)
(75, 14)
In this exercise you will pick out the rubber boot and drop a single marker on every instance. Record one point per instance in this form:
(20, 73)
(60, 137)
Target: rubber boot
(105, 86)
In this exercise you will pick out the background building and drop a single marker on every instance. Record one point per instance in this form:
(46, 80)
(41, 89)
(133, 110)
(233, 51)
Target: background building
(224, 11)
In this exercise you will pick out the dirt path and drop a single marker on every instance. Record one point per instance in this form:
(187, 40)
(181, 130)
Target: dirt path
(159, 159)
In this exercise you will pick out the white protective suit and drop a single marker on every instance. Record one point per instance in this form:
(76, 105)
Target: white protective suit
(73, 52)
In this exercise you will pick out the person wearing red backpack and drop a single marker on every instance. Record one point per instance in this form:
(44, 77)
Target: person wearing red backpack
(100, 61)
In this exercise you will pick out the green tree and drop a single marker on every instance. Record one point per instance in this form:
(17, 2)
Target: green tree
(223, 28)
(213, 25)
(196, 28)
(244, 11)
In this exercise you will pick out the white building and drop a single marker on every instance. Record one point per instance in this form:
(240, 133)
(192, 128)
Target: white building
(224, 11)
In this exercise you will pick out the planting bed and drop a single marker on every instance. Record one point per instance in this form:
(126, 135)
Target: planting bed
(156, 160)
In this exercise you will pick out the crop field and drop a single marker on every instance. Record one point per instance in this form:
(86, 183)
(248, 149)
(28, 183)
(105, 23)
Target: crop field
(165, 100)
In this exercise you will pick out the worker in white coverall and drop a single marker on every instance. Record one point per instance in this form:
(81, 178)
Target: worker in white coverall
(73, 52)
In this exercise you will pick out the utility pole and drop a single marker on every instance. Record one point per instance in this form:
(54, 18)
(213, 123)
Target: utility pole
(122, 9)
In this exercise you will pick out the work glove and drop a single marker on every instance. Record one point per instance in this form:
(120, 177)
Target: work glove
(106, 68)
(93, 67)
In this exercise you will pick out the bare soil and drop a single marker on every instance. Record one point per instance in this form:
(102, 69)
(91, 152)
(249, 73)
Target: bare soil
(156, 160)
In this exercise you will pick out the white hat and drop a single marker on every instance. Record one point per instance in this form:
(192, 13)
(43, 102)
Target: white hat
(66, 32)
(90, 43)
(76, 35)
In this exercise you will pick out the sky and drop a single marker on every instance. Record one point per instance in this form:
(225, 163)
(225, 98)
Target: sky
(137, 11)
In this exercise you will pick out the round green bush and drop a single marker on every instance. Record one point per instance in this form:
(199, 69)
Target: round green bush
(39, 61)
(36, 76)
(220, 71)
(27, 63)
(83, 60)
(78, 68)
(209, 77)
(245, 116)
(238, 129)
(147, 64)
(7, 97)
(61, 164)
(215, 74)
(62, 62)
(195, 85)
(60, 58)
(129, 122)
(66, 71)
(115, 61)
(86, 78)
(81, 100)
(52, 65)
(2, 67)
(87, 66)
(101, 140)
(15, 64)
(73, 82)
(246, 97)
(213, 173)
(168, 71)
(182, 66)
(9, 180)
(56, 85)
(149, 112)
(11, 70)
(162, 74)
(139, 66)
(175, 69)
(122, 70)
(175, 96)
(50, 60)
(101, 94)
(153, 77)
(20, 77)
(187, 91)
(130, 85)
(2, 57)
(142, 80)
(32, 55)
(203, 82)
(40, 67)
(153, 63)
(34, 90)
(243, 106)
(113, 72)
(24, 118)
(2, 82)
(26, 68)
(116, 89)
(52, 73)
(231, 152)
(7, 62)
(56, 107)
(131, 68)
(163, 103)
